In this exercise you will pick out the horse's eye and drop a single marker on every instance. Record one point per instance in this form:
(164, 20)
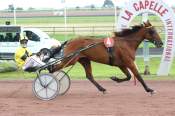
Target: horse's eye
(151, 31)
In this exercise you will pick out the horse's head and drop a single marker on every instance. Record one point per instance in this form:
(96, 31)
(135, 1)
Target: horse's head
(44, 54)
(152, 35)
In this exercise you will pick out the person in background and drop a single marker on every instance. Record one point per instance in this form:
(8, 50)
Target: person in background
(22, 52)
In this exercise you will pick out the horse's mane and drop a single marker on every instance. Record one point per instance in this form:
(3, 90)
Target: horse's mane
(128, 31)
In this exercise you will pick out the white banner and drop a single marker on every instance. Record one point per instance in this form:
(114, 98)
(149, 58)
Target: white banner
(166, 14)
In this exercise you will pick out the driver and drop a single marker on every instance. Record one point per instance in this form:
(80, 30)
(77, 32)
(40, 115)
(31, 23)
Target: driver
(22, 53)
(24, 58)
(28, 62)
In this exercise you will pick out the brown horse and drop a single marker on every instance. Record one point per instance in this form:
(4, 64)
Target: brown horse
(126, 43)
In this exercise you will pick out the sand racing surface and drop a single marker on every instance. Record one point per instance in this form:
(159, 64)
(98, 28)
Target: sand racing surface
(83, 99)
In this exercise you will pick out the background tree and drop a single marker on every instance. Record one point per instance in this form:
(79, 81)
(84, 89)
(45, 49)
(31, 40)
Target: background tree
(108, 4)
(19, 8)
(92, 6)
(31, 8)
(77, 7)
(11, 7)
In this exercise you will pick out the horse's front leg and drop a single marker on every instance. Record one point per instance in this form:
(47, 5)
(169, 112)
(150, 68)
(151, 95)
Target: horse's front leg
(126, 72)
(134, 70)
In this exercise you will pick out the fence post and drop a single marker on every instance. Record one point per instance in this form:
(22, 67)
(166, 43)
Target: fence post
(146, 49)
(73, 30)
(93, 30)
(54, 30)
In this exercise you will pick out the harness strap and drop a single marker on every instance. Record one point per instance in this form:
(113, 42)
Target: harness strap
(109, 44)
(110, 51)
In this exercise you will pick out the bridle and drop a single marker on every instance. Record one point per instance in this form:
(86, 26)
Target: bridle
(153, 41)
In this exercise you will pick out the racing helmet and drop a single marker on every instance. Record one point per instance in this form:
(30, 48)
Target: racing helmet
(23, 40)
(23, 37)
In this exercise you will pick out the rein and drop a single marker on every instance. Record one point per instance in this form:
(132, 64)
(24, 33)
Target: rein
(75, 55)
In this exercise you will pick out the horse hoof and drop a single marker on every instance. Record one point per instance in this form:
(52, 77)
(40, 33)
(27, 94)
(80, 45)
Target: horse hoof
(104, 92)
(114, 79)
(153, 92)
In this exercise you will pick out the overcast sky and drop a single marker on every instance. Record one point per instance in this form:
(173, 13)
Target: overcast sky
(57, 3)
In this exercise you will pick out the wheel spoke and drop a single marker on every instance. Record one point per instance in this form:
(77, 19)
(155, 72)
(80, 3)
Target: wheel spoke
(45, 81)
(40, 83)
(46, 93)
(62, 77)
(52, 89)
(49, 82)
(40, 90)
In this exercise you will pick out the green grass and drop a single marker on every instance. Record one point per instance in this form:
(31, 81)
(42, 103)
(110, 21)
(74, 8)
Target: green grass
(17, 75)
(60, 20)
(104, 71)
(100, 71)
(63, 37)
(72, 20)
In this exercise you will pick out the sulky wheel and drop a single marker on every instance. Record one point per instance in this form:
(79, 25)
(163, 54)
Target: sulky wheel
(46, 87)
(64, 81)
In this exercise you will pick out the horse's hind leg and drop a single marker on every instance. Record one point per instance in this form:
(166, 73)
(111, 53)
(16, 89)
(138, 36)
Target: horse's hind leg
(126, 72)
(87, 66)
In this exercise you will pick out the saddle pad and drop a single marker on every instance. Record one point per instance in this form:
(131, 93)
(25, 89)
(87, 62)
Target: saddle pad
(109, 42)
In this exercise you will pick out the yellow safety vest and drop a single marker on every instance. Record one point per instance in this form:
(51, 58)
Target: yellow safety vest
(21, 55)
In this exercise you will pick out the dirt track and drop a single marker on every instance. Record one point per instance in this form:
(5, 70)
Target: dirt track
(125, 99)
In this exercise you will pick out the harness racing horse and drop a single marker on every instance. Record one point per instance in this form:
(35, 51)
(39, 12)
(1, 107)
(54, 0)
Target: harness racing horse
(126, 43)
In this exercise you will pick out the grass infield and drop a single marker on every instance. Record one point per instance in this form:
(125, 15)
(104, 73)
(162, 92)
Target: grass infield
(100, 71)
